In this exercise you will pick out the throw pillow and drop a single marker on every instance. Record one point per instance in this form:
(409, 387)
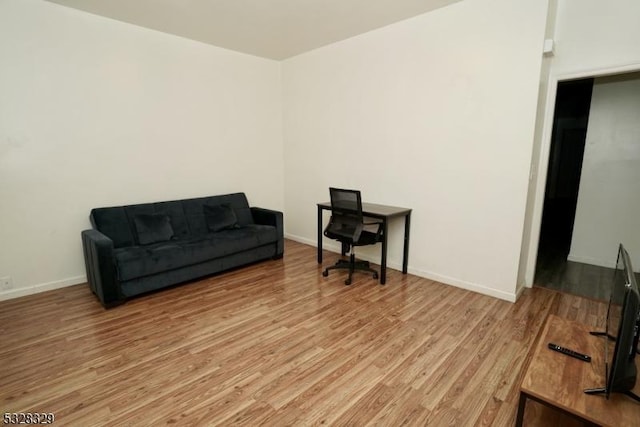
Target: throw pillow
(221, 217)
(153, 228)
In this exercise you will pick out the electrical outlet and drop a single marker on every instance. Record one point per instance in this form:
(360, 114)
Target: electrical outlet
(5, 283)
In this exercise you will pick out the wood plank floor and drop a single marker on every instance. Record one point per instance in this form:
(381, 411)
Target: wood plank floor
(277, 344)
(591, 281)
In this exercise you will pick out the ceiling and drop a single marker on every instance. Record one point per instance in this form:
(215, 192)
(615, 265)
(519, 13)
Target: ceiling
(275, 29)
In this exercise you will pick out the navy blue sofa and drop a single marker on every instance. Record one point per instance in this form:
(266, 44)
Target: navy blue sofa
(140, 248)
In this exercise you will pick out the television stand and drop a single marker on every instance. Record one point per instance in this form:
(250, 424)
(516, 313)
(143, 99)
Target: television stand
(602, 390)
(603, 334)
(559, 382)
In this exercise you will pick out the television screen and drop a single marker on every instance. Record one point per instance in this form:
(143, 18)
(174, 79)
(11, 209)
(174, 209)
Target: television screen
(622, 330)
(614, 312)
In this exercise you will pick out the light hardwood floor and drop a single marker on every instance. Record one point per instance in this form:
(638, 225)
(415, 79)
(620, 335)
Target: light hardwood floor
(277, 344)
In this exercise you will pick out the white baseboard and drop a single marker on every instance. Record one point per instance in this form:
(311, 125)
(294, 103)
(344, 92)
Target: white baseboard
(336, 248)
(303, 240)
(42, 287)
(507, 296)
(470, 286)
(591, 261)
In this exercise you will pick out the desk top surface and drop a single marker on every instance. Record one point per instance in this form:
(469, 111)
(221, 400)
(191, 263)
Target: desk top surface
(373, 209)
(560, 380)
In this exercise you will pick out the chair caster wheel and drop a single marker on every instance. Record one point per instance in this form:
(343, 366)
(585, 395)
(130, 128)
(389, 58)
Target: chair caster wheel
(375, 276)
(325, 273)
(347, 282)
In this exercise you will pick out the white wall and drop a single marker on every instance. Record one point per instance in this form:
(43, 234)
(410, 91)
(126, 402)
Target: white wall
(445, 102)
(592, 34)
(537, 145)
(94, 112)
(435, 113)
(592, 38)
(608, 210)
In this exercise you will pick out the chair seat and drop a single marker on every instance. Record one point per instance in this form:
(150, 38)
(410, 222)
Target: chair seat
(367, 238)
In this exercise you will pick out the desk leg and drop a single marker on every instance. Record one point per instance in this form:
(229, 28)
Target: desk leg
(405, 256)
(319, 235)
(383, 260)
(521, 405)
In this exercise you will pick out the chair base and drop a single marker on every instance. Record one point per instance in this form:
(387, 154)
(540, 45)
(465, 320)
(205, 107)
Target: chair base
(352, 265)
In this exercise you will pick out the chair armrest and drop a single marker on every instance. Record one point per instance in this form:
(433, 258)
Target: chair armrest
(377, 231)
(100, 265)
(274, 218)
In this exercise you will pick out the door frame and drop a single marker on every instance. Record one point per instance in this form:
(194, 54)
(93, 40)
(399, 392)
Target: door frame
(541, 164)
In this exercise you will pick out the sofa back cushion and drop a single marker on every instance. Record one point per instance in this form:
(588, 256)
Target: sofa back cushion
(113, 223)
(186, 217)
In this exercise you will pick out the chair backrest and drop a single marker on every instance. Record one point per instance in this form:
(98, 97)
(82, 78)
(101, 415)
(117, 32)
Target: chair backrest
(346, 215)
(346, 202)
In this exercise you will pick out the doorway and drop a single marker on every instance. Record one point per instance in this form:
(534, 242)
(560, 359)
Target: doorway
(568, 137)
(533, 273)
(578, 241)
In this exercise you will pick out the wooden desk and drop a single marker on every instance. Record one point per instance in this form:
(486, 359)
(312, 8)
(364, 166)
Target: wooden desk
(385, 213)
(558, 381)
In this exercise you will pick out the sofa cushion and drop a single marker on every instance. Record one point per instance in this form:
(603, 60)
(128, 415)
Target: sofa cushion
(139, 261)
(113, 223)
(153, 228)
(194, 211)
(171, 209)
(221, 217)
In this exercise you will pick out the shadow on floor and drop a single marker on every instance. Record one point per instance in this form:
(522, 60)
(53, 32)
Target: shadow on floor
(575, 278)
(553, 271)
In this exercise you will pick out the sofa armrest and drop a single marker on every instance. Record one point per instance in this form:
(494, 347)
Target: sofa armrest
(100, 266)
(270, 217)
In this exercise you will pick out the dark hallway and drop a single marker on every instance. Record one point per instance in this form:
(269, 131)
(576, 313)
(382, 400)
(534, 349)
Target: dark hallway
(570, 123)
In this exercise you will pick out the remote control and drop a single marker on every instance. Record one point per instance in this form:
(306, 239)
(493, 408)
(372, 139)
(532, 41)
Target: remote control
(571, 353)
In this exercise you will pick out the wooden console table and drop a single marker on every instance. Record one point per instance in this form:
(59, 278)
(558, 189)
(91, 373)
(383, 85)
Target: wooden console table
(557, 380)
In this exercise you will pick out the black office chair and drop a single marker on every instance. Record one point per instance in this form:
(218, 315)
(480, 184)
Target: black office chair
(348, 227)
